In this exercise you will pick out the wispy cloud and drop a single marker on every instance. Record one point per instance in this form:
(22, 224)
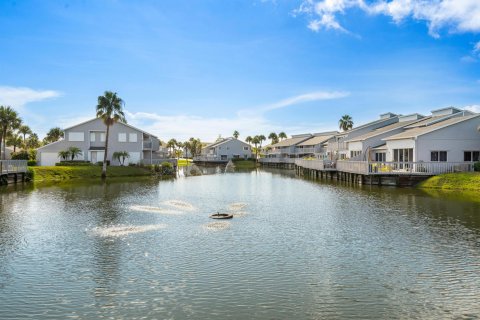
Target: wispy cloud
(452, 15)
(248, 121)
(19, 96)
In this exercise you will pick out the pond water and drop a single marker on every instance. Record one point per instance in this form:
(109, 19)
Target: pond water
(295, 249)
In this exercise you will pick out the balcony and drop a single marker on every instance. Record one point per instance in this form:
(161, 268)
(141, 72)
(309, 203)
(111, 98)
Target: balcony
(147, 145)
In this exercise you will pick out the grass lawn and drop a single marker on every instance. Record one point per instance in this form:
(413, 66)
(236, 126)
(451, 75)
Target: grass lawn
(45, 174)
(245, 164)
(184, 162)
(469, 181)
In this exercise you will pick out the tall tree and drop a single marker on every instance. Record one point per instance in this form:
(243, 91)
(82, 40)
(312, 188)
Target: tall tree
(345, 123)
(256, 142)
(110, 110)
(32, 142)
(282, 135)
(236, 134)
(273, 136)
(9, 120)
(24, 130)
(248, 139)
(171, 144)
(195, 147)
(53, 135)
(14, 140)
(261, 138)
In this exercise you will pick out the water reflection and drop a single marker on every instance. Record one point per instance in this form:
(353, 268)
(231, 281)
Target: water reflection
(301, 249)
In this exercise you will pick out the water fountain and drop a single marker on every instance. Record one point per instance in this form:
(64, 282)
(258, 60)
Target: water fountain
(230, 167)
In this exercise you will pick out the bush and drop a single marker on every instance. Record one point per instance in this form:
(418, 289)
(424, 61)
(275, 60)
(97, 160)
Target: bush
(32, 163)
(100, 163)
(476, 166)
(20, 155)
(72, 163)
(30, 174)
(167, 169)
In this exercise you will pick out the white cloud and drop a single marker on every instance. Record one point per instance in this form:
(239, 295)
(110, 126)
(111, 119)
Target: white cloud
(19, 96)
(473, 108)
(468, 59)
(452, 15)
(247, 121)
(476, 48)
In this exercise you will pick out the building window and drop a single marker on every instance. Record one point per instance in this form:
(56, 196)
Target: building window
(122, 137)
(354, 154)
(380, 157)
(438, 156)
(102, 137)
(473, 156)
(403, 155)
(245, 148)
(132, 137)
(92, 136)
(76, 136)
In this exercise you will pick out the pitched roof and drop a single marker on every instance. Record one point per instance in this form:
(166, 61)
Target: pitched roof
(215, 144)
(125, 124)
(290, 142)
(382, 130)
(418, 131)
(317, 139)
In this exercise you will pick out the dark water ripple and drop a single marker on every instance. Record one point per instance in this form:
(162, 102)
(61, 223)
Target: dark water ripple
(303, 251)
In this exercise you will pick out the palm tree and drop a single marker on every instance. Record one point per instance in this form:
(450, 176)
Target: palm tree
(345, 123)
(74, 152)
(65, 154)
(195, 147)
(282, 135)
(53, 135)
(9, 120)
(121, 156)
(256, 141)
(261, 138)
(24, 130)
(236, 134)
(248, 140)
(110, 110)
(273, 136)
(14, 140)
(171, 144)
(32, 142)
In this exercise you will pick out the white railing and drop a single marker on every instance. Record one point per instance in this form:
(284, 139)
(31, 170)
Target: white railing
(306, 150)
(315, 164)
(13, 166)
(209, 159)
(403, 168)
(277, 160)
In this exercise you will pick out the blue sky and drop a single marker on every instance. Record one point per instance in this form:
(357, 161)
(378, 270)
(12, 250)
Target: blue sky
(207, 67)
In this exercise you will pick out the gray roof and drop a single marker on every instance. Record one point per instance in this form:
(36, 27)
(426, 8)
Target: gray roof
(290, 142)
(415, 132)
(382, 130)
(317, 139)
(125, 124)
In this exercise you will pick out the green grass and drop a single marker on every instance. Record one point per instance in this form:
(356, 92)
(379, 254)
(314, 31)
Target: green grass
(469, 181)
(245, 164)
(46, 174)
(184, 162)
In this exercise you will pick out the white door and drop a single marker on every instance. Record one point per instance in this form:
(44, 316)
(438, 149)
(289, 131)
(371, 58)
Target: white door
(96, 156)
(134, 157)
(49, 158)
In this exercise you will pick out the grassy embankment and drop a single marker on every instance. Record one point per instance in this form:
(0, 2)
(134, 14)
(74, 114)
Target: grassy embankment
(469, 181)
(245, 164)
(48, 174)
(184, 162)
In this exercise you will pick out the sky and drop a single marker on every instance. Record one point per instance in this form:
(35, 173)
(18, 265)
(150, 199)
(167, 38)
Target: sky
(204, 68)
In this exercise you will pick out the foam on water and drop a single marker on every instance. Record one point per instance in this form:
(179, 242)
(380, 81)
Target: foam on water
(124, 230)
(179, 204)
(156, 210)
(239, 214)
(237, 206)
(217, 226)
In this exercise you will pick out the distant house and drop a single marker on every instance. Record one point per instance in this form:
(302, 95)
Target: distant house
(287, 148)
(453, 139)
(316, 145)
(337, 147)
(90, 137)
(225, 150)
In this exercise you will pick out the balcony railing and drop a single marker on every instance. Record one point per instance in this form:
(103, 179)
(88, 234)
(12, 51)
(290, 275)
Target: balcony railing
(403, 168)
(13, 166)
(277, 160)
(315, 164)
(147, 145)
(306, 150)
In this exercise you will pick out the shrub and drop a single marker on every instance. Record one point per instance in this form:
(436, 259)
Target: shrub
(132, 164)
(100, 163)
(20, 155)
(30, 174)
(167, 169)
(32, 163)
(72, 163)
(476, 166)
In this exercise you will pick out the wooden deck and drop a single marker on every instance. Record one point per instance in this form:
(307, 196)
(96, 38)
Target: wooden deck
(12, 171)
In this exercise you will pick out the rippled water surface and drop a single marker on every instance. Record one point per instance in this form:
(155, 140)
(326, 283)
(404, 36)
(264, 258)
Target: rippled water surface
(295, 249)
